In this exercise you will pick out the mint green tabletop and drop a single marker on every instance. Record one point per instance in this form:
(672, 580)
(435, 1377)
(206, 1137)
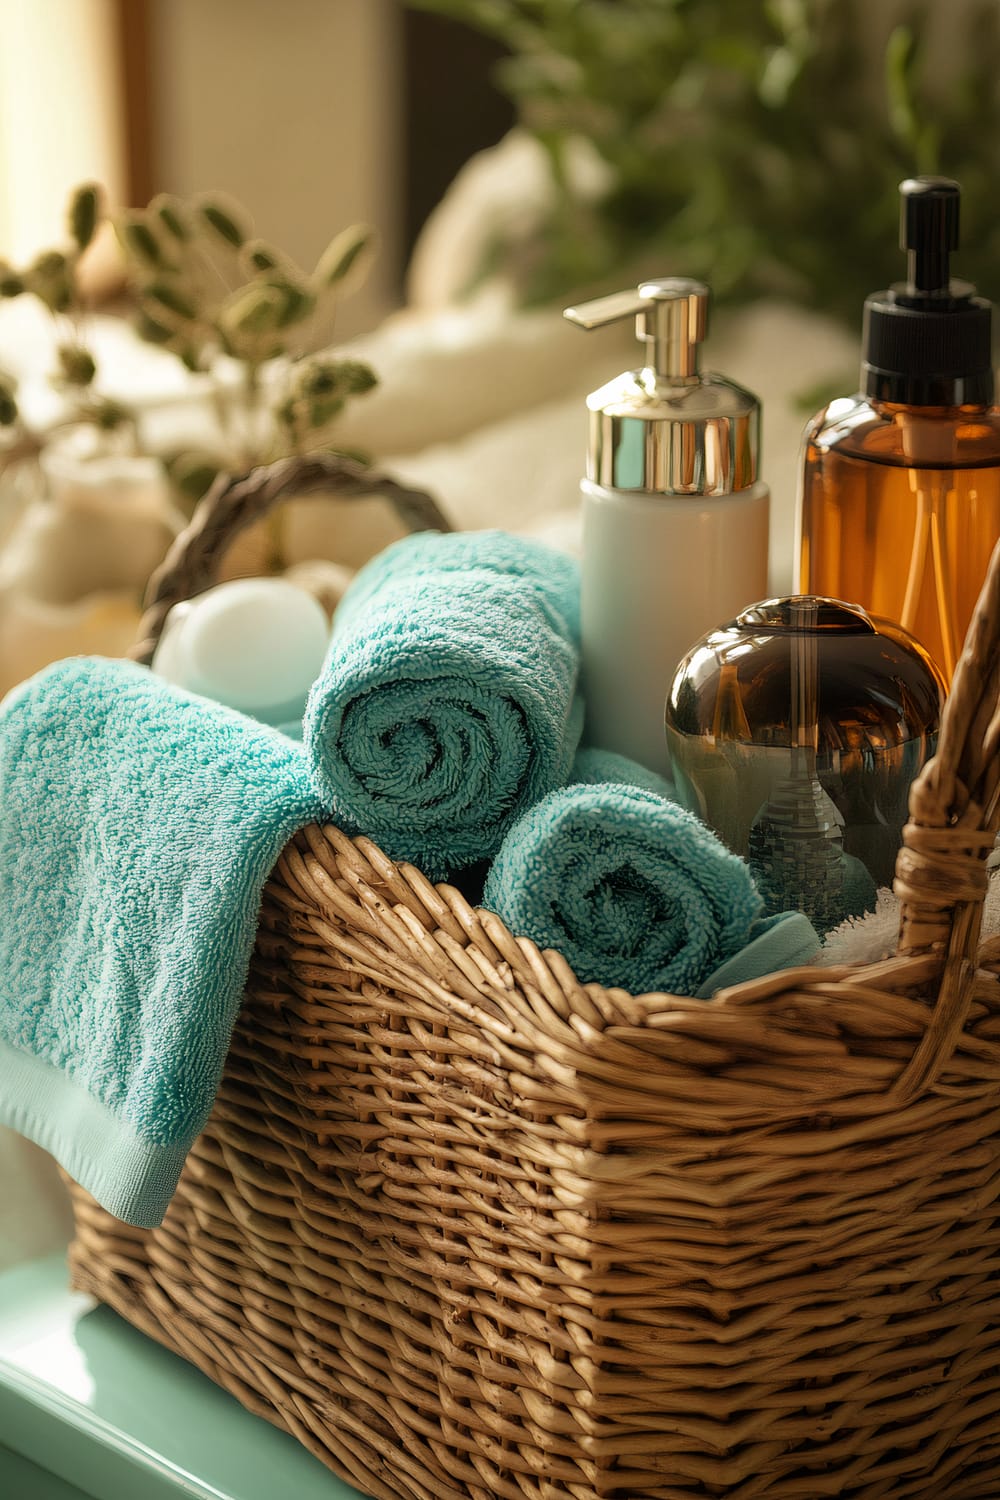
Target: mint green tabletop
(89, 1407)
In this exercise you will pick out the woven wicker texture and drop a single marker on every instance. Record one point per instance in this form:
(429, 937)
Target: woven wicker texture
(233, 504)
(472, 1231)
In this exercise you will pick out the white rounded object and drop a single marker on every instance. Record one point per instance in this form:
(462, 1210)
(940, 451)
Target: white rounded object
(255, 644)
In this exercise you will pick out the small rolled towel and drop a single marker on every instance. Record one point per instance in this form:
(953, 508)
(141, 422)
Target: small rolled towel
(138, 824)
(447, 705)
(633, 890)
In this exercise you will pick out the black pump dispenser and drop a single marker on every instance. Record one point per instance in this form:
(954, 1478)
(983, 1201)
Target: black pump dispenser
(927, 341)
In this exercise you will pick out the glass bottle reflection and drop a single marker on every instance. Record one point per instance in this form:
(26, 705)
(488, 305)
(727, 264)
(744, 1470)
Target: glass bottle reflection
(795, 731)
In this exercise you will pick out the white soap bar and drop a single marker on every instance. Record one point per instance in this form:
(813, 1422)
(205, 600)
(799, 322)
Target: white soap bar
(256, 644)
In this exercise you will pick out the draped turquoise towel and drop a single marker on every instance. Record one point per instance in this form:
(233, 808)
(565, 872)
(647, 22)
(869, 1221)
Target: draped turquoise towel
(137, 827)
(630, 888)
(447, 705)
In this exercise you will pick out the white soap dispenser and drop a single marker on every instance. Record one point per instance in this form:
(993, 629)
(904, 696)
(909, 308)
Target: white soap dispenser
(675, 518)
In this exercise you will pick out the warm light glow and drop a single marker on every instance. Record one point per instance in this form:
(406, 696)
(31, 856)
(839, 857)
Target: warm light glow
(60, 115)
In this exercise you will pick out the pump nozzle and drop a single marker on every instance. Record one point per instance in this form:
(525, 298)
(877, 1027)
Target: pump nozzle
(928, 232)
(927, 340)
(670, 317)
(664, 428)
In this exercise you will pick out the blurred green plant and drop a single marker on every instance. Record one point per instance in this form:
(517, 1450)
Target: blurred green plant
(52, 278)
(758, 146)
(237, 309)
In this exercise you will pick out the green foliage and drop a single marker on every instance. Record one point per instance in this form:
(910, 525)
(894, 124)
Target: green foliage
(205, 287)
(226, 224)
(209, 292)
(9, 412)
(76, 365)
(317, 394)
(52, 278)
(191, 473)
(138, 241)
(758, 146)
(84, 214)
(220, 301)
(350, 249)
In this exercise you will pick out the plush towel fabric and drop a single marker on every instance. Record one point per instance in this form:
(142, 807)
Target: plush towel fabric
(137, 827)
(774, 943)
(448, 704)
(591, 767)
(632, 890)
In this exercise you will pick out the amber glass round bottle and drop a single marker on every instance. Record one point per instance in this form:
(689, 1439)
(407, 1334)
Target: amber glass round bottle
(899, 512)
(899, 505)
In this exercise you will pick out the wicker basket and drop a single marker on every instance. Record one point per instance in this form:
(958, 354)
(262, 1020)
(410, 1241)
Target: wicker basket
(468, 1228)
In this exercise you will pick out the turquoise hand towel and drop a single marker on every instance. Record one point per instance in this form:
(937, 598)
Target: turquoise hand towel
(137, 827)
(447, 705)
(633, 890)
(774, 943)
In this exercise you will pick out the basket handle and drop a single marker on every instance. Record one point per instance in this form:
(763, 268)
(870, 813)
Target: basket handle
(941, 875)
(231, 505)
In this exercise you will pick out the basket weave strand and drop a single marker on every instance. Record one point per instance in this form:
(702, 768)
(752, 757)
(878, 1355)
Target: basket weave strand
(232, 504)
(471, 1230)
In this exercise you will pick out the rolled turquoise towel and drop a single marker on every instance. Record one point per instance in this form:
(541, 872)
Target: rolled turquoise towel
(138, 824)
(633, 890)
(447, 705)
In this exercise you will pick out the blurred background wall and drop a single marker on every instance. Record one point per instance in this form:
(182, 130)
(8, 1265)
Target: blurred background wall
(316, 113)
(313, 113)
(295, 109)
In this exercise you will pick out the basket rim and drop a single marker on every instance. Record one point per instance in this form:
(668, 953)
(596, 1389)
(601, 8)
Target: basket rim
(835, 1040)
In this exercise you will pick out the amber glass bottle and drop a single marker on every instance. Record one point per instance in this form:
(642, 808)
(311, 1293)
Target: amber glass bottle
(899, 507)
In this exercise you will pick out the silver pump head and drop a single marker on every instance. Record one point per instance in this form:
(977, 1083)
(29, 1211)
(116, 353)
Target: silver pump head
(671, 315)
(666, 428)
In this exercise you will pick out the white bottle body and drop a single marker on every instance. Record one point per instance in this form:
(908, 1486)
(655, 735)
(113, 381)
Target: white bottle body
(659, 572)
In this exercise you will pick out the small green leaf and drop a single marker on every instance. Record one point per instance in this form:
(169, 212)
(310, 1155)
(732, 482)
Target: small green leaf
(318, 377)
(76, 365)
(321, 413)
(105, 414)
(223, 221)
(298, 300)
(345, 251)
(357, 377)
(252, 310)
(348, 377)
(49, 265)
(139, 242)
(259, 256)
(193, 473)
(150, 330)
(84, 213)
(49, 279)
(165, 295)
(8, 403)
(284, 413)
(170, 213)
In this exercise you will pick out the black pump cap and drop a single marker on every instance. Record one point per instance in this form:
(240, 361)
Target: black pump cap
(928, 341)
